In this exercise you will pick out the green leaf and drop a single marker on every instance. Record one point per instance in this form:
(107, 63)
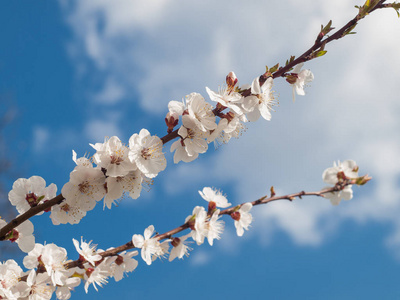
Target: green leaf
(274, 68)
(320, 53)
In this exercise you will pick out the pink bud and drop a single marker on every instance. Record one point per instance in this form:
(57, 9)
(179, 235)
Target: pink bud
(231, 80)
(171, 120)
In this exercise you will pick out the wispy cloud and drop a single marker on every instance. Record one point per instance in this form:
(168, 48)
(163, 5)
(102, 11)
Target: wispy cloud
(40, 138)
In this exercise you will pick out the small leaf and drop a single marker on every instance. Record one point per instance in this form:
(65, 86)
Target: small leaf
(272, 191)
(274, 68)
(320, 53)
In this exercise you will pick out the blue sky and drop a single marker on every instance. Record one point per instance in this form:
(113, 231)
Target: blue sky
(81, 70)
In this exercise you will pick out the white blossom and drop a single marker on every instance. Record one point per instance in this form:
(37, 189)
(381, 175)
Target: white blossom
(82, 161)
(27, 193)
(150, 247)
(31, 260)
(87, 251)
(349, 169)
(22, 235)
(193, 142)
(199, 113)
(85, 187)
(261, 102)
(180, 152)
(146, 152)
(98, 275)
(53, 258)
(176, 108)
(116, 186)
(228, 127)
(64, 292)
(303, 77)
(124, 263)
(215, 196)
(242, 218)
(67, 212)
(180, 247)
(228, 98)
(199, 229)
(40, 286)
(215, 227)
(336, 197)
(10, 286)
(112, 155)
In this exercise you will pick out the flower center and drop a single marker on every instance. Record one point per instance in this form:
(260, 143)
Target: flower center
(84, 187)
(31, 198)
(115, 159)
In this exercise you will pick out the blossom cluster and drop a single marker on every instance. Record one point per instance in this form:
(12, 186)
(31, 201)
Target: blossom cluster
(116, 169)
(244, 104)
(47, 264)
(47, 273)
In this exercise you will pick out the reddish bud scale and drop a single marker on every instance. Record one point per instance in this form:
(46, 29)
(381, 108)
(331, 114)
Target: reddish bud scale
(119, 260)
(175, 241)
(235, 215)
(211, 206)
(341, 176)
(89, 271)
(81, 258)
(192, 222)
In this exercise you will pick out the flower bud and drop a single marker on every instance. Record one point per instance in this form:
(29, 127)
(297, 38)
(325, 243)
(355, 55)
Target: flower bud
(171, 120)
(231, 80)
(89, 271)
(363, 180)
(119, 260)
(235, 215)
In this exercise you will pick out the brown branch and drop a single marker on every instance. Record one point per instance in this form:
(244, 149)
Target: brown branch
(306, 56)
(30, 213)
(263, 200)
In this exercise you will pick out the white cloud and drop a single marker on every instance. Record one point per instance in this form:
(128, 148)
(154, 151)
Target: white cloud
(40, 138)
(166, 49)
(111, 93)
(97, 129)
(199, 257)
